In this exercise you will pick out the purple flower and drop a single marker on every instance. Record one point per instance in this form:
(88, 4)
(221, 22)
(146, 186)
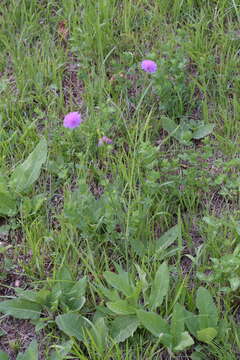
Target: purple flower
(149, 66)
(104, 140)
(72, 120)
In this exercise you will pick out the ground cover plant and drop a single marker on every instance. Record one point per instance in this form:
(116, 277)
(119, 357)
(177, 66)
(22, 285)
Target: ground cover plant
(119, 179)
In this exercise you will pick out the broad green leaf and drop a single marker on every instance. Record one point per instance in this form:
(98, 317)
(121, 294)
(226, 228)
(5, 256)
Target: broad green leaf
(169, 125)
(121, 307)
(75, 304)
(123, 327)
(30, 295)
(30, 206)
(3, 355)
(206, 335)
(159, 287)
(180, 132)
(208, 315)
(40, 297)
(64, 278)
(75, 298)
(203, 131)
(61, 351)
(168, 238)
(62, 287)
(21, 309)
(72, 325)
(3, 181)
(185, 340)
(8, 204)
(177, 324)
(28, 172)
(103, 310)
(191, 320)
(99, 332)
(142, 276)
(112, 294)
(156, 325)
(205, 277)
(40, 323)
(119, 282)
(234, 283)
(31, 353)
(79, 288)
(198, 356)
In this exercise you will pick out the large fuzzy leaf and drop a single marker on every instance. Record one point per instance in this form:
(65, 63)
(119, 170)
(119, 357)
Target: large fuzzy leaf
(156, 325)
(185, 340)
(208, 314)
(8, 204)
(123, 327)
(119, 281)
(21, 309)
(121, 307)
(72, 325)
(28, 172)
(159, 287)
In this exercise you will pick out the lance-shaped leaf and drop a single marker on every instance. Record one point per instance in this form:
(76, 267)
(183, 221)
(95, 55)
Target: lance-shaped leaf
(160, 286)
(21, 309)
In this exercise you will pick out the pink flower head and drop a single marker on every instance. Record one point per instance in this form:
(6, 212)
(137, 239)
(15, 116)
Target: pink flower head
(72, 120)
(149, 66)
(104, 140)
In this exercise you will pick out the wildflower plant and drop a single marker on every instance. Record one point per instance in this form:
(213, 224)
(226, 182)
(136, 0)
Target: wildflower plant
(72, 120)
(170, 77)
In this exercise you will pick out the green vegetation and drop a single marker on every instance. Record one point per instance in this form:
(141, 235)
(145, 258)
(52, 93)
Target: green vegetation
(128, 250)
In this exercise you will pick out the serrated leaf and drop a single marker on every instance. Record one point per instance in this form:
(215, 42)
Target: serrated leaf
(119, 282)
(208, 314)
(206, 335)
(3, 355)
(168, 238)
(28, 172)
(159, 287)
(72, 325)
(21, 309)
(123, 327)
(156, 325)
(185, 340)
(121, 307)
(203, 131)
(31, 352)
